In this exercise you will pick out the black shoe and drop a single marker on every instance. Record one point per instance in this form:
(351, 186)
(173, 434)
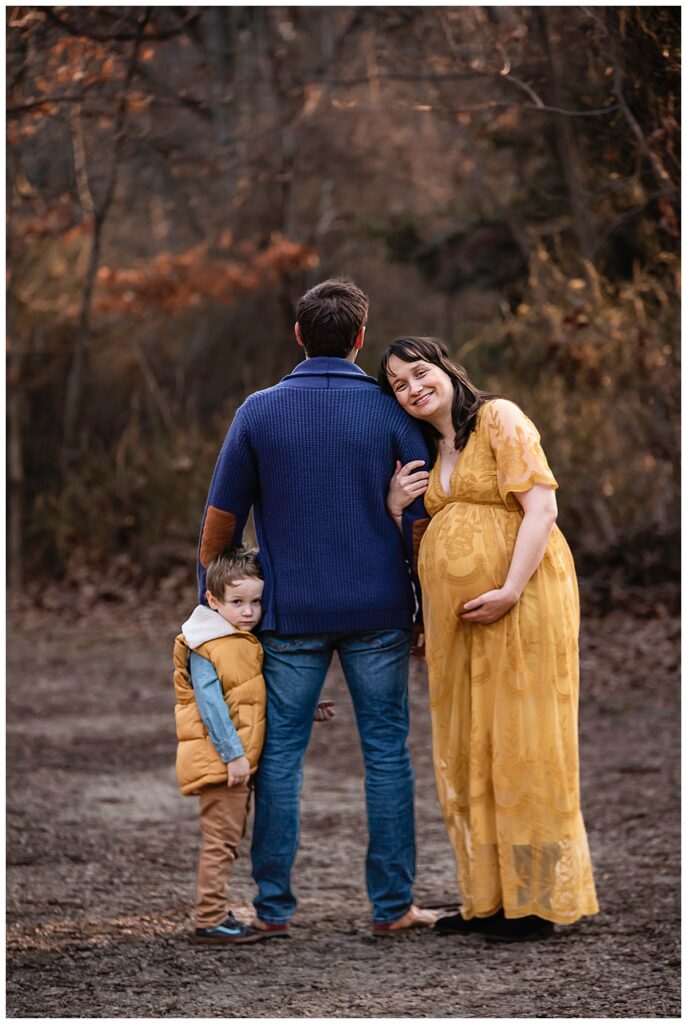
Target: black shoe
(520, 929)
(229, 932)
(455, 924)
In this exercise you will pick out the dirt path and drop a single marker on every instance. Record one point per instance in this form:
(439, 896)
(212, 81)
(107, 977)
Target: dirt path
(102, 850)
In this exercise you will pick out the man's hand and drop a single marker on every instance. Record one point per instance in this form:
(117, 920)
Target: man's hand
(405, 486)
(489, 607)
(325, 711)
(238, 771)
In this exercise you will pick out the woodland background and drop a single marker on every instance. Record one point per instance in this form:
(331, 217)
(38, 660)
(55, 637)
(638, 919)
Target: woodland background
(506, 178)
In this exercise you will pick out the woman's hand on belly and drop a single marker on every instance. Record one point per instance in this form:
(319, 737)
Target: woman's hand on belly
(490, 606)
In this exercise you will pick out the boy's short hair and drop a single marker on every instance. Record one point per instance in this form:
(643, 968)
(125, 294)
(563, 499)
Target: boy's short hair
(230, 567)
(330, 316)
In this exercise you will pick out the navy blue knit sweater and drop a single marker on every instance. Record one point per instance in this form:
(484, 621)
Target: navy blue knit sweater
(313, 457)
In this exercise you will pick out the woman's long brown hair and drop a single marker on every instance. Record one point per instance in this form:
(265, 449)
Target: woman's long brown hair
(467, 398)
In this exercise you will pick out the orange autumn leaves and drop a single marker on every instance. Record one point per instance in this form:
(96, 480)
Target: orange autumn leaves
(174, 282)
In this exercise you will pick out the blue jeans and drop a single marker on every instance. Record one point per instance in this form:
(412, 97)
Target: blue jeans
(376, 669)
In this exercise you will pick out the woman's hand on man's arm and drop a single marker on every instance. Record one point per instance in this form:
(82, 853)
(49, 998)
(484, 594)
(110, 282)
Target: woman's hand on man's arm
(408, 483)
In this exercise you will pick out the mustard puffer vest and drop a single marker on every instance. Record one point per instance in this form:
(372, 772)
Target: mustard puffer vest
(237, 660)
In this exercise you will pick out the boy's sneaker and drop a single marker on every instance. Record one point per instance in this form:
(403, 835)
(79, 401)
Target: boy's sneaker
(228, 932)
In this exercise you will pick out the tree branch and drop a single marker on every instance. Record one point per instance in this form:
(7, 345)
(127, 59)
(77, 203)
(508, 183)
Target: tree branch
(163, 90)
(629, 214)
(100, 211)
(105, 37)
(80, 169)
(507, 77)
(32, 104)
(657, 165)
(658, 168)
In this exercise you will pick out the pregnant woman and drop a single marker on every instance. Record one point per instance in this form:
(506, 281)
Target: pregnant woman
(501, 615)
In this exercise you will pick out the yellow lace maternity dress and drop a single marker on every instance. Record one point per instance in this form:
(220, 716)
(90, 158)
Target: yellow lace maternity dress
(504, 696)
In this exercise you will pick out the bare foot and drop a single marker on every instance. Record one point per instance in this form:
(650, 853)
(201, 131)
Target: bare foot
(413, 918)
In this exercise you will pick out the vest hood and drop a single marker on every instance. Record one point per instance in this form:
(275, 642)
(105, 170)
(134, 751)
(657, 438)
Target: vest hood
(203, 625)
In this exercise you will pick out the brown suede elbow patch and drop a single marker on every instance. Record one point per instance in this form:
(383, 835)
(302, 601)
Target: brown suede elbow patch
(419, 527)
(218, 533)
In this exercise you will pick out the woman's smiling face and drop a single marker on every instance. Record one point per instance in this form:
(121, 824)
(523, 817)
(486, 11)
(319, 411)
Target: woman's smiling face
(423, 389)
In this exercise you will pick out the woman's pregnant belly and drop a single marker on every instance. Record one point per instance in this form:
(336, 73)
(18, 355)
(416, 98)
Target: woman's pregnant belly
(466, 550)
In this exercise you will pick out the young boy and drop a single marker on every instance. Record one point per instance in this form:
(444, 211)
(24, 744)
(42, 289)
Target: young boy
(220, 722)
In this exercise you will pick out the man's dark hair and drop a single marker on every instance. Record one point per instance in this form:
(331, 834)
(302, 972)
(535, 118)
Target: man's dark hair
(330, 316)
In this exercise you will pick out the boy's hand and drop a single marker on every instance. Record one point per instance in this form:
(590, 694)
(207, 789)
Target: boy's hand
(325, 711)
(238, 771)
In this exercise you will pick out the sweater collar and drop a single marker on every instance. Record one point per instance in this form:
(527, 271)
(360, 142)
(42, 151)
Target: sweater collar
(328, 366)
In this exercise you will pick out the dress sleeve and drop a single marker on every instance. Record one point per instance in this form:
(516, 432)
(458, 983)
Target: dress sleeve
(520, 459)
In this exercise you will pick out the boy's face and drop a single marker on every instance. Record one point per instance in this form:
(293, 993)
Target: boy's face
(242, 604)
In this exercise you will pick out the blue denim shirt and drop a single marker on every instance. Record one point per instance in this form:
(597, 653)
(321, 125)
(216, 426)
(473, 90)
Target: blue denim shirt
(213, 709)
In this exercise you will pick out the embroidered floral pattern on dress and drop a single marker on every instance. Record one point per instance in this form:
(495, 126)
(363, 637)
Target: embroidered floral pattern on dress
(504, 696)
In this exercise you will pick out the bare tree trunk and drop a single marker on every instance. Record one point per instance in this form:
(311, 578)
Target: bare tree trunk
(216, 50)
(15, 472)
(100, 211)
(15, 425)
(281, 115)
(566, 144)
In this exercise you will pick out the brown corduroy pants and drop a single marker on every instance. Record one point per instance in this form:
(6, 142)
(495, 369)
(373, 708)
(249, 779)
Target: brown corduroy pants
(223, 814)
